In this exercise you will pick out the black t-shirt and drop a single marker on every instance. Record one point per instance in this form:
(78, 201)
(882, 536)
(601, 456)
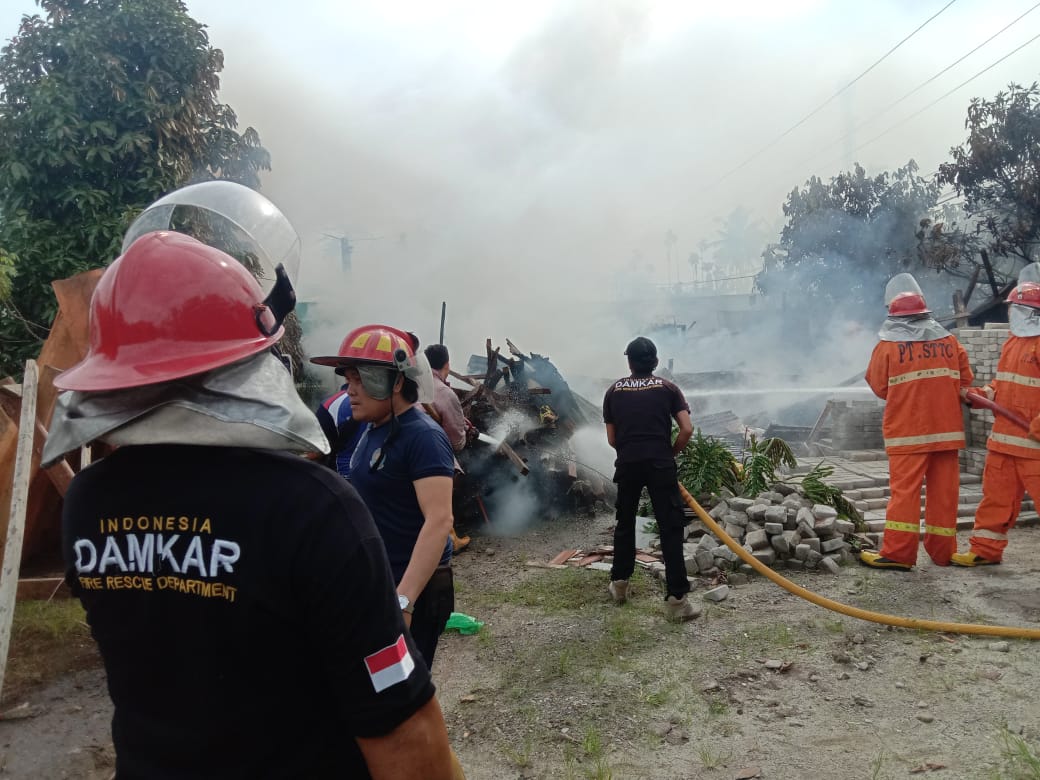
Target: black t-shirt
(245, 611)
(641, 409)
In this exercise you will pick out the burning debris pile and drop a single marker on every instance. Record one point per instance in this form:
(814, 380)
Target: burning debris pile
(522, 465)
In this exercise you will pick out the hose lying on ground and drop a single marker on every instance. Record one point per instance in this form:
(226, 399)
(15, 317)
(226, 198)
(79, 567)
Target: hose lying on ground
(844, 609)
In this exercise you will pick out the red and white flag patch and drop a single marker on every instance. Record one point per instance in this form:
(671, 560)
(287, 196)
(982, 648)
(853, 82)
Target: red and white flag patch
(391, 665)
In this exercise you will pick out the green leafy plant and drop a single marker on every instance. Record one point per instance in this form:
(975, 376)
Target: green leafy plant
(816, 490)
(706, 466)
(760, 461)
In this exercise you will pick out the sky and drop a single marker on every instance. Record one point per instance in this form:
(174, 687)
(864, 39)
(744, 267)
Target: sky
(515, 160)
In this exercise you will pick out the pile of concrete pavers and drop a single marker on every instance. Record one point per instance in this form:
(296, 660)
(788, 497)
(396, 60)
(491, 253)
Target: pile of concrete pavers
(781, 528)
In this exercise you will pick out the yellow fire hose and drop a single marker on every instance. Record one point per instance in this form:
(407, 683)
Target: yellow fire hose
(844, 609)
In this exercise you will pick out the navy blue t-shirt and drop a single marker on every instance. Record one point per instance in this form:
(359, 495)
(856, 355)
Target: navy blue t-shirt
(420, 449)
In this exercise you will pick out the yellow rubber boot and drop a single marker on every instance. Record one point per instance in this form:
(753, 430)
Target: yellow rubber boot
(875, 561)
(970, 560)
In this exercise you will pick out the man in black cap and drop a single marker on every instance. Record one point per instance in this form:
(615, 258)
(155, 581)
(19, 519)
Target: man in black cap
(638, 411)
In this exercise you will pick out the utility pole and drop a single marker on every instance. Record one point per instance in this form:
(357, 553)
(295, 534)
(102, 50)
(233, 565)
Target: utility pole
(346, 248)
(669, 241)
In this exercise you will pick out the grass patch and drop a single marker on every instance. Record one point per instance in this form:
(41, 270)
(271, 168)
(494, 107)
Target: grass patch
(520, 756)
(712, 759)
(48, 640)
(757, 640)
(717, 706)
(553, 592)
(1021, 761)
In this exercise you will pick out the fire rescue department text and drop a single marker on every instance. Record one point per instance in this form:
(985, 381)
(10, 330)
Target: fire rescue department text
(125, 552)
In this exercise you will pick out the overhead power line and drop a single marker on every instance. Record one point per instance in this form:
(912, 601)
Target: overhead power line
(942, 97)
(829, 100)
(874, 116)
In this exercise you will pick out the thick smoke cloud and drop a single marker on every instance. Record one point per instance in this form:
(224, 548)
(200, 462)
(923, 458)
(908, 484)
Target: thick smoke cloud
(513, 159)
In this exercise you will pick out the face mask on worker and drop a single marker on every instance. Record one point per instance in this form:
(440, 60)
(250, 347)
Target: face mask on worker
(1024, 321)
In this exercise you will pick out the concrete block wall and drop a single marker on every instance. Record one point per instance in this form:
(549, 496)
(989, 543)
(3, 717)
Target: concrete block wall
(856, 425)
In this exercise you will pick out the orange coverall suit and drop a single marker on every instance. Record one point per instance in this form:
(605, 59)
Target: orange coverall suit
(1013, 459)
(923, 428)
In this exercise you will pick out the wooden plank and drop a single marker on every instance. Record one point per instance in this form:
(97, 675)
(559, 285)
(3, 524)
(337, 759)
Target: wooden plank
(989, 272)
(469, 380)
(563, 557)
(509, 452)
(819, 423)
(19, 501)
(959, 311)
(8, 448)
(971, 284)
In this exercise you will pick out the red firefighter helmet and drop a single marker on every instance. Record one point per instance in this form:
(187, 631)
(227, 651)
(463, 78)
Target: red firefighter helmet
(1026, 294)
(374, 345)
(167, 308)
(907, 304)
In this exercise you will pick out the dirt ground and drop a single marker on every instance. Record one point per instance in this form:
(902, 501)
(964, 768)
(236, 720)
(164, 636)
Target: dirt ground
(561, 683)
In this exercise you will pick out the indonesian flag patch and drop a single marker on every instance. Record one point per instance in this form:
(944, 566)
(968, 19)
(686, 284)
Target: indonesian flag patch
(389, 666)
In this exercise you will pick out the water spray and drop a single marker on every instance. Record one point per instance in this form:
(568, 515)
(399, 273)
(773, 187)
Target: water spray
(738, 391)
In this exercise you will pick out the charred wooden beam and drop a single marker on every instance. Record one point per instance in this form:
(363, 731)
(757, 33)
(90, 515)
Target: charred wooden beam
(989, 273)
(971, 284)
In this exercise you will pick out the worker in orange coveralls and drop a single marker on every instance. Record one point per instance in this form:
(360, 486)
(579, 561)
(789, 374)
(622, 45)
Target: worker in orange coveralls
(1013, 457)
(922, 372)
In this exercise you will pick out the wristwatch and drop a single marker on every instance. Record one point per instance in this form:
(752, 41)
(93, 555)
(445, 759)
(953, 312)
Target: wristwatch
(405, 603)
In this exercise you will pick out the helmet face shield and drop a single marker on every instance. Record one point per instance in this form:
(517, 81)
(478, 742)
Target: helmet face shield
(377, 381)
(900, 284)
(232, 218)
(417, 368)
(1031, 273)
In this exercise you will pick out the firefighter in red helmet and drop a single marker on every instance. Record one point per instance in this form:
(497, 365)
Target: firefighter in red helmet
(226, 580)
(403, 467)
(1013, 454)
(922, 372)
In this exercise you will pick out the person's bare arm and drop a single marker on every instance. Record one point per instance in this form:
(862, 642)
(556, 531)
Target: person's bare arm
(417, 748)
(611, 435)
(434, 495)
(685, 431)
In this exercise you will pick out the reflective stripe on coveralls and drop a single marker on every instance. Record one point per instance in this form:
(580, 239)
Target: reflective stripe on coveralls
(954, 437)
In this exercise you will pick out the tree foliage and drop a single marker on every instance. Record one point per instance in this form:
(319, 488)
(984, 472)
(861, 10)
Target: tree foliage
(997, 170)
(106, 105)
(844, 238)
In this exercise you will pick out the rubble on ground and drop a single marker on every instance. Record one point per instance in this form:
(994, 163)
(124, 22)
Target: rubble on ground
(782, 530)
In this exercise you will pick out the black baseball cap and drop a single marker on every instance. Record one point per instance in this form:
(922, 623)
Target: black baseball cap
(641, 348)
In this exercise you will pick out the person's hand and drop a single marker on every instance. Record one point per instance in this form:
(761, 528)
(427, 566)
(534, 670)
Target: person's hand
(1034, 429)
(967, 392)
(407, 618)
(471, 432)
